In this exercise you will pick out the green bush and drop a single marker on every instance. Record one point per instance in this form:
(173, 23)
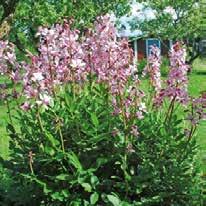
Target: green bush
(164, 66)
(87, 134)
(141, 65)
(76, 154)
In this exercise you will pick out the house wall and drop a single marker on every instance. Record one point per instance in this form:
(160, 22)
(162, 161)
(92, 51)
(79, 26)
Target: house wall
(141, 47)
(142, 51)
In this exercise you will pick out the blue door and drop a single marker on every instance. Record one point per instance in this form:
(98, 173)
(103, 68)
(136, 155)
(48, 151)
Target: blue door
(152, 42)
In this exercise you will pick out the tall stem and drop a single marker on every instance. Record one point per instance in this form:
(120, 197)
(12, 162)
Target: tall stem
(170, 109)
(62, 139)
(9, 111)
(60, 132)
(125, 121)
(40, 121)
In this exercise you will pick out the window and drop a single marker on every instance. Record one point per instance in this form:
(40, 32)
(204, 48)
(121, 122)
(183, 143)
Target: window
(152, 42)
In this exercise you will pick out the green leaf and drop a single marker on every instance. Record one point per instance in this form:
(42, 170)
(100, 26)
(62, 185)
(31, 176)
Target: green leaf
(94, 180)
(101, 161)
(73, 159)
(62, 177)
(49, 150)
(125, 204)
(54, 142)
(57, 196)
(95, 120)
(94, 198)
(65, 193)
(114, 200)
(87, 187)
(10, 128)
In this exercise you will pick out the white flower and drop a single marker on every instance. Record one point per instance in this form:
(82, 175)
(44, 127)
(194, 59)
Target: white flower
(37, 76)
(77, 63)
(45, 100)
(142, 107)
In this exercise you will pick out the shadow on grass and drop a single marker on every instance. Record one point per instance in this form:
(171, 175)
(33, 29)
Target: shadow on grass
(199, 72)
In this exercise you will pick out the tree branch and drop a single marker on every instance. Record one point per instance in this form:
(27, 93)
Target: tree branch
(8, 8)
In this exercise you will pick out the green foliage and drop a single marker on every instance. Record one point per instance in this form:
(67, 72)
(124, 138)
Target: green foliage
(164, 66)
(67, 155)
(184, 21)
(141, 65)
(187, 23)
(28, 15)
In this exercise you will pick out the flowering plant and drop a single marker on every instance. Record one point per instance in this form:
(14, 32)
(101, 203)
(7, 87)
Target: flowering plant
(86, 134)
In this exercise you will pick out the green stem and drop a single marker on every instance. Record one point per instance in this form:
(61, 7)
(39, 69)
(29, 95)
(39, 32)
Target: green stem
(125, 175)
(171, 112)
(60, 132)
(9, 111)
(62, 139)
(31, 167)
(40, 121)
(170, 109)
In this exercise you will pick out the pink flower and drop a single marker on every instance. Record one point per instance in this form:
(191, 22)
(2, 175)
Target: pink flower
(64, 57)
(153, 68)
(198, 110)
(45, 100)
(25, 106)
(15, 76)
(8, 63)
(139, 115)
(134, 130)
(177, 79)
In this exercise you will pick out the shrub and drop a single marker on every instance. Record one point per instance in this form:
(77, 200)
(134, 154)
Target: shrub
(98, 165)
(141, 65)
(165, 66)
(85, 135)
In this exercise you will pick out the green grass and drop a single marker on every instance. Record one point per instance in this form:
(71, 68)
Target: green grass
(4, 139)
(4, 143)
(197, 83)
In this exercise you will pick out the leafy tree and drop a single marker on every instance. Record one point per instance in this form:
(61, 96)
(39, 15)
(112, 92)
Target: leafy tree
(20, 19)
(177, 20)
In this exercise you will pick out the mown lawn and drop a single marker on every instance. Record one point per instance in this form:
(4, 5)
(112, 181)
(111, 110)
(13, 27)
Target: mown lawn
(4, 143)
(197, 83)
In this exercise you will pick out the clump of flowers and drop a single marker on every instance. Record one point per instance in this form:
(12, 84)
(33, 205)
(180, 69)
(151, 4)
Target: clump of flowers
(111, 61)
(153, 68)
(106, 57)
(8, 62)
(97, 120)
(198, 111)
(10, 67)
(176, 89)
(66, 57)
(59, 61)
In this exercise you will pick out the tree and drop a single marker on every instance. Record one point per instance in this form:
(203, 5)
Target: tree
(177, 20)
(23, 17)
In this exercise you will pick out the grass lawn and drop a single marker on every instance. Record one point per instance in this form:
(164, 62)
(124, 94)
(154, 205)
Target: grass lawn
(4, 143)
(197, 83)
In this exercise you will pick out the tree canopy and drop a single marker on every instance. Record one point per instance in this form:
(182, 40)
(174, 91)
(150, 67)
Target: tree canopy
(175, 20)
(20, 19)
